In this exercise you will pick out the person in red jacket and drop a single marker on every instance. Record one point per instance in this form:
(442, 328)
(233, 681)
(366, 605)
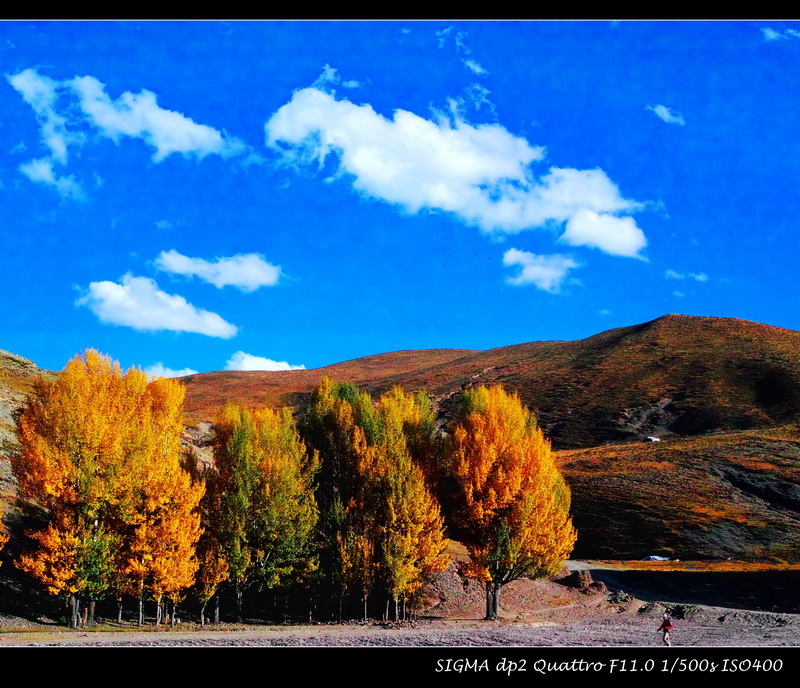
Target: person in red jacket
(666, 627)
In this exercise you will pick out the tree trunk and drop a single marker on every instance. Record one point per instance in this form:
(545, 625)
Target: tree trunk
(73, 611)
(492, 601)
(119, 611)
(216, 612)
(239, 602)
(203, 613)
(91, 612)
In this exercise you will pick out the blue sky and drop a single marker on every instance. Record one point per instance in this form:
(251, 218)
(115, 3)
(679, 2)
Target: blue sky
(195, 196)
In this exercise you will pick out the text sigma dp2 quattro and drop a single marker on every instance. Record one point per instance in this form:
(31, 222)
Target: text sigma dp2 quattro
(675, 665)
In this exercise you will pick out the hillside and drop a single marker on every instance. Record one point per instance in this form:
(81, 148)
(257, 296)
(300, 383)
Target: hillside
(722, 394)
(730, 495)
(681, 375)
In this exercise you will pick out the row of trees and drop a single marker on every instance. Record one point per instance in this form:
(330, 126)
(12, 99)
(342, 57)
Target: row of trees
(344, 506)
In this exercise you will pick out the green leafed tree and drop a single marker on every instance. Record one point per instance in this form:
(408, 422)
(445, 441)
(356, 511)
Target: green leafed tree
(268, 511)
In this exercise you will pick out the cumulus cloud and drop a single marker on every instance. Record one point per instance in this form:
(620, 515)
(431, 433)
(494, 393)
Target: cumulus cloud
(65, 108)
(41, 93)
(667, 115)
(160, 370)
(617, 236)
(140, 116)
(242, 361)
(246, 272)
(41, 172)
(545, 272)
(138, 303)
(482, 174)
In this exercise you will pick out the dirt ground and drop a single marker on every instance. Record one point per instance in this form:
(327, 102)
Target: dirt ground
(568, 613)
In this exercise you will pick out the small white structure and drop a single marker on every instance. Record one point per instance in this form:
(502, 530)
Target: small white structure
(652, 439)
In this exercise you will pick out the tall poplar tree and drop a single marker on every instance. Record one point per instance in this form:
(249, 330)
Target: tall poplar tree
(381, 526)
(267, 502)
(513, 503)
(100, 455)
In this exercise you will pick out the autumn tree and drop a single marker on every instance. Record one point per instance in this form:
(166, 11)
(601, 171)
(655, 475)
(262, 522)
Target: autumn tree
(513, 504)
(267, 502)
(413, 541)
(100, 455)
(212, 564)
(380, 524)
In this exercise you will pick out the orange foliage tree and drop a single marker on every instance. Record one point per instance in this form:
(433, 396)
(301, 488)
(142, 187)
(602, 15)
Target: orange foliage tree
(513, 504)
(100, 455)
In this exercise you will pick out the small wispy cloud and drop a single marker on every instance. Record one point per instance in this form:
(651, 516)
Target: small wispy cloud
(547, 273)
(667, 115)
(771, 34)
(137, 302)
(679, 294)
(242, 361)
(697, 276)
(72, 112)
(160, 370)
(41, 172)
(475, 67)
(246, 272)
(138, 115)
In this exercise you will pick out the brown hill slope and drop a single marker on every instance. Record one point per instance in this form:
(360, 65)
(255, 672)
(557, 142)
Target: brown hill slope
(727, 495)
(207, 392)
(677, 374)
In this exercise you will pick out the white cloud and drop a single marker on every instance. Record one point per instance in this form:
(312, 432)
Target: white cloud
(771, 34)
(679, 294)
(667, 115)
(247, 271)
(546, 272)
(242, 361)
(83, 101)
(617, 236)
(697, 276)
(160, 370)
(331, 76)
(41, 93)
(475, 67)
(480, 173)
(140, 304)
(140, 116)
(41, 172)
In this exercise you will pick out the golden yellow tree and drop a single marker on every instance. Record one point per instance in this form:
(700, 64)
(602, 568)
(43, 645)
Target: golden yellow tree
(513, 503)
(413, 542)
(100, 455)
